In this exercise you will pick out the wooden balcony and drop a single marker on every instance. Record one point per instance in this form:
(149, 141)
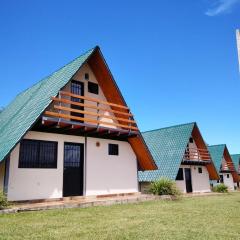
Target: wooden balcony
(196, 156)
(89, 115)
(227, 167)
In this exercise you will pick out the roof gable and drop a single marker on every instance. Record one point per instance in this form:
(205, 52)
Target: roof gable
(28, 106)
(217, 154)
(236, 159)
(167, 146)
(24, 110)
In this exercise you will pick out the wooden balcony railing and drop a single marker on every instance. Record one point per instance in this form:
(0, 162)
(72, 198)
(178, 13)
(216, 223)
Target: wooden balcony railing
(196, 154)
(73, 107)
(227, 167)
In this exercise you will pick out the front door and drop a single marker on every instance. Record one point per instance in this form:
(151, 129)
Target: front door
(73, 169)
(78, 89)
(188, 180)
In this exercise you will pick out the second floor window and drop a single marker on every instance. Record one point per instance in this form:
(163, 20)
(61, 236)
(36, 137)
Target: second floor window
(93, 87)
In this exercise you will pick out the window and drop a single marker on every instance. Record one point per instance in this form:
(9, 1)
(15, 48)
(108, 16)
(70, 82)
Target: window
(191, 140)
(199, 170)
(180, 174)
(92, 87)
(86, 76)
(227, 175)
(38, 154)
(112, 149)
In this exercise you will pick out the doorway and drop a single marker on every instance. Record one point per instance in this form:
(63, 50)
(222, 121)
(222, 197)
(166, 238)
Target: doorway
(73, 169)
(188, 180)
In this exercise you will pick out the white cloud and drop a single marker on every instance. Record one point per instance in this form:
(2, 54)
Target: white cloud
(222, 6)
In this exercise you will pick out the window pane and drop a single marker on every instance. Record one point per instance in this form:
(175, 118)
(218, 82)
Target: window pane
(47, 154)
(92, 87)
(113, 149)
(28, 156)
(72, 155)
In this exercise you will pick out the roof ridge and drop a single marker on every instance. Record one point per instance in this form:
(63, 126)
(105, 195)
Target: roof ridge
(215, 145)
(178, 125)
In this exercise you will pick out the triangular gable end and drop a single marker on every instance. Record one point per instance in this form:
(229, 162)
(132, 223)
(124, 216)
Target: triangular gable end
(220, 152)
(37, 98)
(197, 150)
(230, 164)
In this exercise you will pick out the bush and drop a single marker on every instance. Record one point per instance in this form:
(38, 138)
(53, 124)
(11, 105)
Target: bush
(165, 186)
(221, 188)
(3, 201)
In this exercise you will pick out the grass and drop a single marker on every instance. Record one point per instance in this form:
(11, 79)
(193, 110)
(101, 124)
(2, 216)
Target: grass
(211, 217)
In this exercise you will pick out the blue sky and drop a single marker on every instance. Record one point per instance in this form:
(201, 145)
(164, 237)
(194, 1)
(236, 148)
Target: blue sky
(175, 61)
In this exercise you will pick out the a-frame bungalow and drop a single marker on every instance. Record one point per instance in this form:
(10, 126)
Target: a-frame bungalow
(181, 155)
(71, 134)
(225, 166)
(236, 162)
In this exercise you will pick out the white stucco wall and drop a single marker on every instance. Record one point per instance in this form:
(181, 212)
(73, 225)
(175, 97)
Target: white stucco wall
(107, 174)
(228, 181)
(200, 181)
(103, 173)
(2, 171)
(28, 183)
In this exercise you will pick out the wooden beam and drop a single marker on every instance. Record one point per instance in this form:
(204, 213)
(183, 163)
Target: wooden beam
(93, 114)
(67, 116)
(92, 100)
(62, 100)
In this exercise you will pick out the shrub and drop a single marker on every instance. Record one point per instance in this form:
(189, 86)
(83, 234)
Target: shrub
(221, 188)
(164, 186)
(3, 201)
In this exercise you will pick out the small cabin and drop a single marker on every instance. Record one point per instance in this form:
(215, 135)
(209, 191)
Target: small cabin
(225, 166)
(181, 155)
(71, 134)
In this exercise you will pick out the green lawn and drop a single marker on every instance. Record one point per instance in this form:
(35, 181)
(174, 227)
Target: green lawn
(212, 217)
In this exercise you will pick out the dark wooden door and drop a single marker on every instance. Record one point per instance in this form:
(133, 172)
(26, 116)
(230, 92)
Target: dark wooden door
(221, 178)
(78, 89)
(73, 169)
(188, 180)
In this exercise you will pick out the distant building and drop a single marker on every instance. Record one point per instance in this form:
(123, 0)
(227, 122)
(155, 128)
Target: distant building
(225, 166)
(181, 154)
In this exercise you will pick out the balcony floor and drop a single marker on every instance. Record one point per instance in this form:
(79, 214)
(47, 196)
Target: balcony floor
(196, 162)
(62, 126)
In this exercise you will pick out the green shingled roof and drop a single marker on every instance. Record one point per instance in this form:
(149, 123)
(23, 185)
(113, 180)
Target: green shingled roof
(167, 146)
(217, 152)
(17, 118)
(236, 159)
